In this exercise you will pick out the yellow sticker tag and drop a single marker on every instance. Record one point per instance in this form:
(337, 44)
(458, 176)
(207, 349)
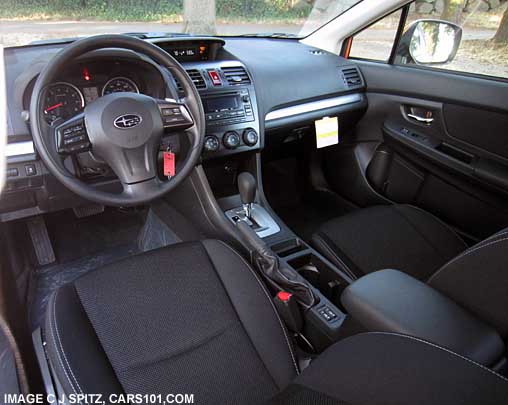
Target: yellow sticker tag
(327, 132)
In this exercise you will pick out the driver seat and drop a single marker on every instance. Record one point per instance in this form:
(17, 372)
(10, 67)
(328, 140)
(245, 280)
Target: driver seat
(194, 318)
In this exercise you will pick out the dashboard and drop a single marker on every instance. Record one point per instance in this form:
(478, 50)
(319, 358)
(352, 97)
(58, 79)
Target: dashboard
(251, 89)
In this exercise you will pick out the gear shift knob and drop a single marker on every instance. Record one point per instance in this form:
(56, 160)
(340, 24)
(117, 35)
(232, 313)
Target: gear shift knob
(247, 186)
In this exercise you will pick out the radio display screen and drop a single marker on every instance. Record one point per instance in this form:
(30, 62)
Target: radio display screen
(217, 104)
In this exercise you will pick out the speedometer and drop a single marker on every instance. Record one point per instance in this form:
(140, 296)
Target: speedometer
(120, 85)
(62, 100)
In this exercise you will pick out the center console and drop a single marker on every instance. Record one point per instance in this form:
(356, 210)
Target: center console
(229, 101)
(289, 265)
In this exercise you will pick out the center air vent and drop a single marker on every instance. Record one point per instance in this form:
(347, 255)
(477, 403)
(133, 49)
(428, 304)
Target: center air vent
(352, 77)
(236, 75)
(197, 78)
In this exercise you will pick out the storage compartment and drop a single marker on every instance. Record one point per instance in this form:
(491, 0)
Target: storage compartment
(392, 176)
(392, 301)
(322, 276)
(455, 153)
(289, 247)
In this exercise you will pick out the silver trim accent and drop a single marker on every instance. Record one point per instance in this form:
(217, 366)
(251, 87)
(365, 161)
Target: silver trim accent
(267, 225)
(116, 78)
(19, 148)
(313, 106)
(421, 119)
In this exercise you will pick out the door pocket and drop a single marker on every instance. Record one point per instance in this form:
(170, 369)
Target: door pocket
(394, 177)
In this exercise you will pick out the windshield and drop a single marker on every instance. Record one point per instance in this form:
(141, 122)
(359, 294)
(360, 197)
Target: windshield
(25, 21)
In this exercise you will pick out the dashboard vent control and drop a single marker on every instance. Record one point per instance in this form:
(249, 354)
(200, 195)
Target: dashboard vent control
(352, 77)
(236, 75)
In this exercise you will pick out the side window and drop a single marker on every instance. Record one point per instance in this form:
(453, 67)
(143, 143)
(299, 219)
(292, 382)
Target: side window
(468, 36)
(482, 26)
(376, 42)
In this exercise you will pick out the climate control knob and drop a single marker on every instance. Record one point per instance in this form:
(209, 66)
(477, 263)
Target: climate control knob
(231, 140)
(212, 143)
(250, 137)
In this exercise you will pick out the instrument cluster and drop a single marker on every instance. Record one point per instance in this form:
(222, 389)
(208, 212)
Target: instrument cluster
(83, 83)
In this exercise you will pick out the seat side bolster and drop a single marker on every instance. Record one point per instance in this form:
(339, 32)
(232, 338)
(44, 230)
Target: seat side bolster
(73, 349)
(255, 310)
(477, 280)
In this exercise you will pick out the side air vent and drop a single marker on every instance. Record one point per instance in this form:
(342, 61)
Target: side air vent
(236, 75)
(352, 77)
(197, 78)
(178, 85)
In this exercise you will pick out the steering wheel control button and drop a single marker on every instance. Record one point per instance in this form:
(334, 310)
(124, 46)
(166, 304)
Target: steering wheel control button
(212, 144)
(250, 137)
(175, 116)
(72, 138)
(231, 140)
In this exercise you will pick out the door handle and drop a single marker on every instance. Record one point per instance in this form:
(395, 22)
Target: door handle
(423, 120)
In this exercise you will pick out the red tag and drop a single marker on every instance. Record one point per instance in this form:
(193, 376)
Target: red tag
(169, 163)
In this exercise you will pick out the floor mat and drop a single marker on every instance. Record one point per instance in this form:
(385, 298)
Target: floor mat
(302, 208)
(83, 245)
(73, 238)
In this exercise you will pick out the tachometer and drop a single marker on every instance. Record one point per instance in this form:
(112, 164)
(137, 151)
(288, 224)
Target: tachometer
(63, 100)
(119, 85)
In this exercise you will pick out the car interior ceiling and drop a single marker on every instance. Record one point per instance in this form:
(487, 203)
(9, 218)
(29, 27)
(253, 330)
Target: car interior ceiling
(399, 228)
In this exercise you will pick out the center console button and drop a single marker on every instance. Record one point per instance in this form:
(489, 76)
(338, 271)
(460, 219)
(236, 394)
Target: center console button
(212, 143)
(250, 137)
(231, 140)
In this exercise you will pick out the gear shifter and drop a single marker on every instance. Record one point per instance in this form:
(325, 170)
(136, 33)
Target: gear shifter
(273, 269)
(247, 186)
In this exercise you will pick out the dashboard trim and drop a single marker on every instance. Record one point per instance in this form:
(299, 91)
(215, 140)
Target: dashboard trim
(313, 106)
(19, 148)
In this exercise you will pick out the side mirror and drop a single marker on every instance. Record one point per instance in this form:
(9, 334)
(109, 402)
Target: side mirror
(429, 42)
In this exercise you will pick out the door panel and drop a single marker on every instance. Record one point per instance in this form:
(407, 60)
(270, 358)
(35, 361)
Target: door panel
(441, 144)
(485, 129)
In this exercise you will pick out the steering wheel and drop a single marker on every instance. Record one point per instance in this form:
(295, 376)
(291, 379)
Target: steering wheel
(122, 129)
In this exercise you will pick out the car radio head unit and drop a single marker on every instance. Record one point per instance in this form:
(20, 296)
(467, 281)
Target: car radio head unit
(228, 108)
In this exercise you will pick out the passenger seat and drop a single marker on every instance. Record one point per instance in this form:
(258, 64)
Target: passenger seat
(406, 238)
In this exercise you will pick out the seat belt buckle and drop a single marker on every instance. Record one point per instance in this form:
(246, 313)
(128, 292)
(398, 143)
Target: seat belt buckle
(288, 309)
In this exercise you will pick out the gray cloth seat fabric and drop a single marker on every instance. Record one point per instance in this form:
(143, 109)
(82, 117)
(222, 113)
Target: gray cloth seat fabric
(408, 239)
(194, 318)
(399, 237)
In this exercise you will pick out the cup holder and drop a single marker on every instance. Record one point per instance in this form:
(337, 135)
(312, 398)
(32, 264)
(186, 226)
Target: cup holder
(289, 247)
(320, 275)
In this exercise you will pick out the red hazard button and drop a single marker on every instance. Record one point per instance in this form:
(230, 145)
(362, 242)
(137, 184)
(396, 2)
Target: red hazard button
(214, 76)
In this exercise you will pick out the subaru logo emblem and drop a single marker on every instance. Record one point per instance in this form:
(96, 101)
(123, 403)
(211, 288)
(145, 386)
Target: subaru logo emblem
(127, 121)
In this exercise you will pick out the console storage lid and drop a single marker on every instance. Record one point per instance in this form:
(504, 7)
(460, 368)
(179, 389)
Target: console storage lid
(392, 301)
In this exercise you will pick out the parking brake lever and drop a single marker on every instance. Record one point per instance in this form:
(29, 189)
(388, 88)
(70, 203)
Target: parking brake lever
(270, 266)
